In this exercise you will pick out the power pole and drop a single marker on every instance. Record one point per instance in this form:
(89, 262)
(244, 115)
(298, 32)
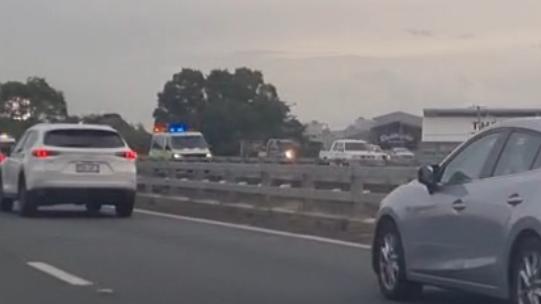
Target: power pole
(478, 117)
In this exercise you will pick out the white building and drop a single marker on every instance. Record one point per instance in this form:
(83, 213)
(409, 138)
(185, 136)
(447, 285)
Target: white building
(444, 129)
(456, 125)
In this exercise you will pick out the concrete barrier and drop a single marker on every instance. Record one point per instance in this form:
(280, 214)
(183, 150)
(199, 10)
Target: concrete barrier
(332, 201)
(354, 185)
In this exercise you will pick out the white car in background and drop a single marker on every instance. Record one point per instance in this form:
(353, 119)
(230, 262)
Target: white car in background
(351, 150)
(379, 151)
(402, 154)
(70, 164)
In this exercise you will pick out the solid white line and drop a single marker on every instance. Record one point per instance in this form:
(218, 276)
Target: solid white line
(255, 229)
(59, 274)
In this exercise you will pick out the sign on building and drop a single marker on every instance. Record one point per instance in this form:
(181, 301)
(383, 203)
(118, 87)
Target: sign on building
(457, 125)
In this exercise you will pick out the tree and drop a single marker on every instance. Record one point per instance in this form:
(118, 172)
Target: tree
(34, 101)
(24, 104)
(135, 135)
(227, 107)
(182, 99)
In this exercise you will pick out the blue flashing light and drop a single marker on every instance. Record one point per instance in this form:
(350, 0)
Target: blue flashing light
(177, 128)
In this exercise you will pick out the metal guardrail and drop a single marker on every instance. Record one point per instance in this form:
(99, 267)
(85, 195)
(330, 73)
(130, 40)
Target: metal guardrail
(300, 161)
(365, 185)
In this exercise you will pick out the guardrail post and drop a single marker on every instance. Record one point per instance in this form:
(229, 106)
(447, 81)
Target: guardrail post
(199, 175)
(169, 174)
(230, 178)
(308, 184)
(357, 188)
(163, 171)
(266, 181)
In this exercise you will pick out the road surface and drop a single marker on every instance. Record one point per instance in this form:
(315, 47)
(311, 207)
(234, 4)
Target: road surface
(69, 257)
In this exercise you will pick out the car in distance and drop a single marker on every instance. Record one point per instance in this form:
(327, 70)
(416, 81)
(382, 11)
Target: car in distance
(402, 153)
(177, 143)
(471, 223)
(377, 149)
(279, 149)
(344, 151)
(70, 164)
(6, 144)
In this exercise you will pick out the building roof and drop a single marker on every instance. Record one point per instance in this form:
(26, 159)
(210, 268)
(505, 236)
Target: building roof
(482, 111)
(398, 116)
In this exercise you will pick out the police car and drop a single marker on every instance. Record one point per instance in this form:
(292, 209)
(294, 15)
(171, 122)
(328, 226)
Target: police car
(69, 164)
(177, 142)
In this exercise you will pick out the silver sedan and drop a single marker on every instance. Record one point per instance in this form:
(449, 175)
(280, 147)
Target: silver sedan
(472, 222)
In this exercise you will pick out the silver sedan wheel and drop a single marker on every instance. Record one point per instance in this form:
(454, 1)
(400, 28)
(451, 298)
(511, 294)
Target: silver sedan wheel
(389, 266)
(529, 279)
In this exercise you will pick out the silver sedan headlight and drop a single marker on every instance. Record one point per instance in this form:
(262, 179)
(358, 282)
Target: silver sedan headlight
(290, 154)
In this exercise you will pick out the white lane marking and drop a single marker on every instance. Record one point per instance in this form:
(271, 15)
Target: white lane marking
(105, 291)
(59, 274)
(256, 229)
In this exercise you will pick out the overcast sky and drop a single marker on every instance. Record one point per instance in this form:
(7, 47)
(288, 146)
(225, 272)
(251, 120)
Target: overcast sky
(334, 60)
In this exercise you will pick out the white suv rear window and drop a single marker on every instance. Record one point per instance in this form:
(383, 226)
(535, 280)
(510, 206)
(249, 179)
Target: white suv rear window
(73, 138)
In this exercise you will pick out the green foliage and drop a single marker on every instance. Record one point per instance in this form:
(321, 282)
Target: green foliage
(34, 101)
(136, 135)
(227, 107)
(25, 104)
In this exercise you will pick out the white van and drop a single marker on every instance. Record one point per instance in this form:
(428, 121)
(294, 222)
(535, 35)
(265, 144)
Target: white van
(179, 145)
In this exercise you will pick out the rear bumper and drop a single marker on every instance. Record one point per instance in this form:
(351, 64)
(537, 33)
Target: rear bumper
(37, 179)
(105, 196)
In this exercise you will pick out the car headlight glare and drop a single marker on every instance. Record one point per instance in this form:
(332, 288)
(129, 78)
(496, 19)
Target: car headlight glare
(290, 154)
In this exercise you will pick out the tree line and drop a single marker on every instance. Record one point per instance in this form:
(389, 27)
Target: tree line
(228, 107)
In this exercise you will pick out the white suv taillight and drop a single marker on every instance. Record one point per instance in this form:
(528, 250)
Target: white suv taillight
(43, 153)
(129, 154)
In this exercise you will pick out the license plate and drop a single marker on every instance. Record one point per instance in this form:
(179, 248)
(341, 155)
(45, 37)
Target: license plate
(87, 168)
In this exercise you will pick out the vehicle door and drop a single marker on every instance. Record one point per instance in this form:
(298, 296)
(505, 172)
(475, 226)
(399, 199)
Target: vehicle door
(432, 228)
(13, 165)
(490, 203)
(157, 147)
(272, 148)
(168, 148)
(338, 151)
(330, 153)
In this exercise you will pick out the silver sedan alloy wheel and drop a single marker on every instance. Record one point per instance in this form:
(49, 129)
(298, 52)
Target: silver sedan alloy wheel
(529, 279)
(389, 267)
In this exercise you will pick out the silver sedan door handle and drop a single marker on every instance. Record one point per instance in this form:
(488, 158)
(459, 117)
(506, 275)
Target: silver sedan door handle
(459, 205)
(514, 199)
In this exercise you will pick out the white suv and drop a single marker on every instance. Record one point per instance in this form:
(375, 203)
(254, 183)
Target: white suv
(70, 164)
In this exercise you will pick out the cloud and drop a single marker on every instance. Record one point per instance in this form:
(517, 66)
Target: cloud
(420, 32)
(116, 55)
(466, 36)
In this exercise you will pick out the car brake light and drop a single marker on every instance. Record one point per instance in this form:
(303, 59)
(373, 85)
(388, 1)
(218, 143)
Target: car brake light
(43, 153)
(129, 155)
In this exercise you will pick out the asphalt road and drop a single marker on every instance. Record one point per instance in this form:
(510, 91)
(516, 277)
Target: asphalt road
(153, 259)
